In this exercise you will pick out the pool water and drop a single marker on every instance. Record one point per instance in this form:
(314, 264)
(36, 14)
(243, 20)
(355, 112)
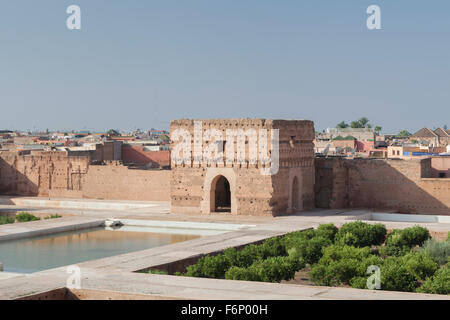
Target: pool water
(46, 252)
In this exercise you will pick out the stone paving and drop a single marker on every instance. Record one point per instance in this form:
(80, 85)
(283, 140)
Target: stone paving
(22, 230)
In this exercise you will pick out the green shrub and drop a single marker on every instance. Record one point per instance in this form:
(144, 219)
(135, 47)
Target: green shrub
(335, 273)
(360, 234)
(437, 284)
(310, 250)
(6, 220)
(439, 250)
(419, 264)
(309, 243)
(448, 236)
(340, 264)
(392, 250)
(249, 254)
(209, 267)
(399, 242)
(338, 252)
(396, 277)
(245, 274)
(359, 282)
(415, 236)
(157, 271)
(291, 239)
(273, 247)
(273, 269)
(409, 237)
(25, 217)
(296, 260)
(216, 266)
(327, 231)
(342, 271)
(400, 274)
(53, 216)
(243, 258)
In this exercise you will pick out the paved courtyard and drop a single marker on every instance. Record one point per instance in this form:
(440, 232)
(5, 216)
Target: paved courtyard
(115, 277)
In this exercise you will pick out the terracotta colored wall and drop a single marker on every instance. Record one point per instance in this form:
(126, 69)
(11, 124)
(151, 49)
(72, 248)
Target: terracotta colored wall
(136, 154)
(365, 146)
(55, 174)
(393, 185)
(117, 182)
(440, 166)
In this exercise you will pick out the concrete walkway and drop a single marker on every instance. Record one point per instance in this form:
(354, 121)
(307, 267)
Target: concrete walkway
(20, 230)
(112, 283)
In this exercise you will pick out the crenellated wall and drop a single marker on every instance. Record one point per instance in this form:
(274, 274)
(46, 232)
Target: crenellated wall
(55, 174)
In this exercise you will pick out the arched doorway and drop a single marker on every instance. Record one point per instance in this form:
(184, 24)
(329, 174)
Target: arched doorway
(220, 195)
(295, 205)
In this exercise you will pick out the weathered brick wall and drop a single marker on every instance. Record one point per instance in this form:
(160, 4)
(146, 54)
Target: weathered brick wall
(37, 173)
(252, 193)
(117, 182)
(394, 185)
(331, 185)
(55, 174)
(188, 189)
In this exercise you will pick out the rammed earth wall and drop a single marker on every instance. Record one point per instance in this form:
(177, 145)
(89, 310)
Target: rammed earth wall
(394, 185)
(55, 174)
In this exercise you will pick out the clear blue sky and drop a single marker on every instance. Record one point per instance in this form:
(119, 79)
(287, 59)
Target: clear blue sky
(140, 63)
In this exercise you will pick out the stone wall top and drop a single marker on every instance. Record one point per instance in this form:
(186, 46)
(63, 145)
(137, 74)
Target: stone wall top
(301, 129)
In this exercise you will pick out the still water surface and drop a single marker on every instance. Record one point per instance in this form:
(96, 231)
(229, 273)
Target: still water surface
(46, 252)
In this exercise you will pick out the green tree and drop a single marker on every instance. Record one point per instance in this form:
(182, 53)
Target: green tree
(378, 129)
(356, 124)
(342, 125)
(361, 123)
(404, 133)
(364, 122)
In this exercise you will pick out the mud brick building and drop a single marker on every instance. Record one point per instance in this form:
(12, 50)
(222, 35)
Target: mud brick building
(235, 182)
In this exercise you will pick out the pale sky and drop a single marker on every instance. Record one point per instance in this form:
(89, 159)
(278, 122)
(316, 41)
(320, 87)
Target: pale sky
(141, 63)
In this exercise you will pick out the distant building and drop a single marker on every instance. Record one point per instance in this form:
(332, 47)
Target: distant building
(360, 134)
(444, 136)
(411, 152)
(346, 141)
(426, 136)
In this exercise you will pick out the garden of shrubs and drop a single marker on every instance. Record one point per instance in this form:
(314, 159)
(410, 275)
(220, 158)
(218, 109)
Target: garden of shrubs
(408, 260)
(24, 217)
